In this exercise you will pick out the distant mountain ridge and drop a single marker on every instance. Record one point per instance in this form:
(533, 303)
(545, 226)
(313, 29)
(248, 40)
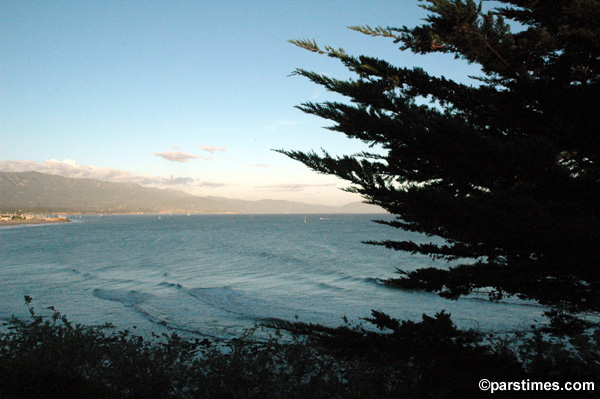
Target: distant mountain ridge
(40, 191)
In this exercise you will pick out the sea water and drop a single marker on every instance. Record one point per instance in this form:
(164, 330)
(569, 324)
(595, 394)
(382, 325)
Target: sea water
(218, 275)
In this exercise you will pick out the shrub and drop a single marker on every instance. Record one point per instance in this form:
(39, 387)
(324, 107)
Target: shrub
(54, 358)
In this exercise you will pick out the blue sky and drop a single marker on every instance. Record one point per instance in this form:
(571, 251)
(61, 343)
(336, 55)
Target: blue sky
(191, 95)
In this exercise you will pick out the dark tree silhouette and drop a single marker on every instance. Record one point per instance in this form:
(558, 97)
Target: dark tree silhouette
(504, 169)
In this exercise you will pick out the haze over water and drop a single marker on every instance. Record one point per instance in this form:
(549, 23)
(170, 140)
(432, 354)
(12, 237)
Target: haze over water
(216, 275)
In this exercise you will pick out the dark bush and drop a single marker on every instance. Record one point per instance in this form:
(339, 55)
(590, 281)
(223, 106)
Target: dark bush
(53, 358)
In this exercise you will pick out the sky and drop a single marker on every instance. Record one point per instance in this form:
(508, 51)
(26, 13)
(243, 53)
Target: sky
(187, 95)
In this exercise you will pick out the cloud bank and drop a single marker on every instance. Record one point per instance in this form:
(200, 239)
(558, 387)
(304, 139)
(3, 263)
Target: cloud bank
(70, 168)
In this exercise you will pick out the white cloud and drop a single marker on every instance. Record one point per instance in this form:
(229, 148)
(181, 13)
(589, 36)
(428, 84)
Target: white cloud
(68, 162)
(178, 156)
(71, 169)
(292, 187)
(211, 149)
(280, 123)
(211, 184)
(261, 165)
(171, 181)
(67, 168)
(19, 166)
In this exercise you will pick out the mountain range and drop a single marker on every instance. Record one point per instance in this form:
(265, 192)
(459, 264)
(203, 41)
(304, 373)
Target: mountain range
(34, 191)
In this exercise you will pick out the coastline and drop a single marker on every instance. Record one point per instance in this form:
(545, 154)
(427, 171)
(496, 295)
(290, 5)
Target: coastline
(32, 221)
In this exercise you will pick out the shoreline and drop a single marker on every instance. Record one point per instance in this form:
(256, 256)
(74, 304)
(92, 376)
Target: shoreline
(17, 222)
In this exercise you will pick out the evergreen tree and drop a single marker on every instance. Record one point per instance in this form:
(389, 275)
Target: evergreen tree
(505, 169)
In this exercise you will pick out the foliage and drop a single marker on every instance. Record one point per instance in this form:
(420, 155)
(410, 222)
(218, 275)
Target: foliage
(54, 358)
(49, 356)
(505, 169)
(434, 359)
(430, 358)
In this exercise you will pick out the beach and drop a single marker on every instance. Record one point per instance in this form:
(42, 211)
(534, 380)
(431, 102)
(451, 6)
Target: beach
(32, 221)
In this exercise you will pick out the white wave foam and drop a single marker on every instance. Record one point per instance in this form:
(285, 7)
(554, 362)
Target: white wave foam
(127, 298)
(252, 306)
(171, 285)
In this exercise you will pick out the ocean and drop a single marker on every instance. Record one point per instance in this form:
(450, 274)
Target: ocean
(219, 275)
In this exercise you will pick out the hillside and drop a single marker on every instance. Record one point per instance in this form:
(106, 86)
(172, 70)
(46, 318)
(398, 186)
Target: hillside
(39, 191)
